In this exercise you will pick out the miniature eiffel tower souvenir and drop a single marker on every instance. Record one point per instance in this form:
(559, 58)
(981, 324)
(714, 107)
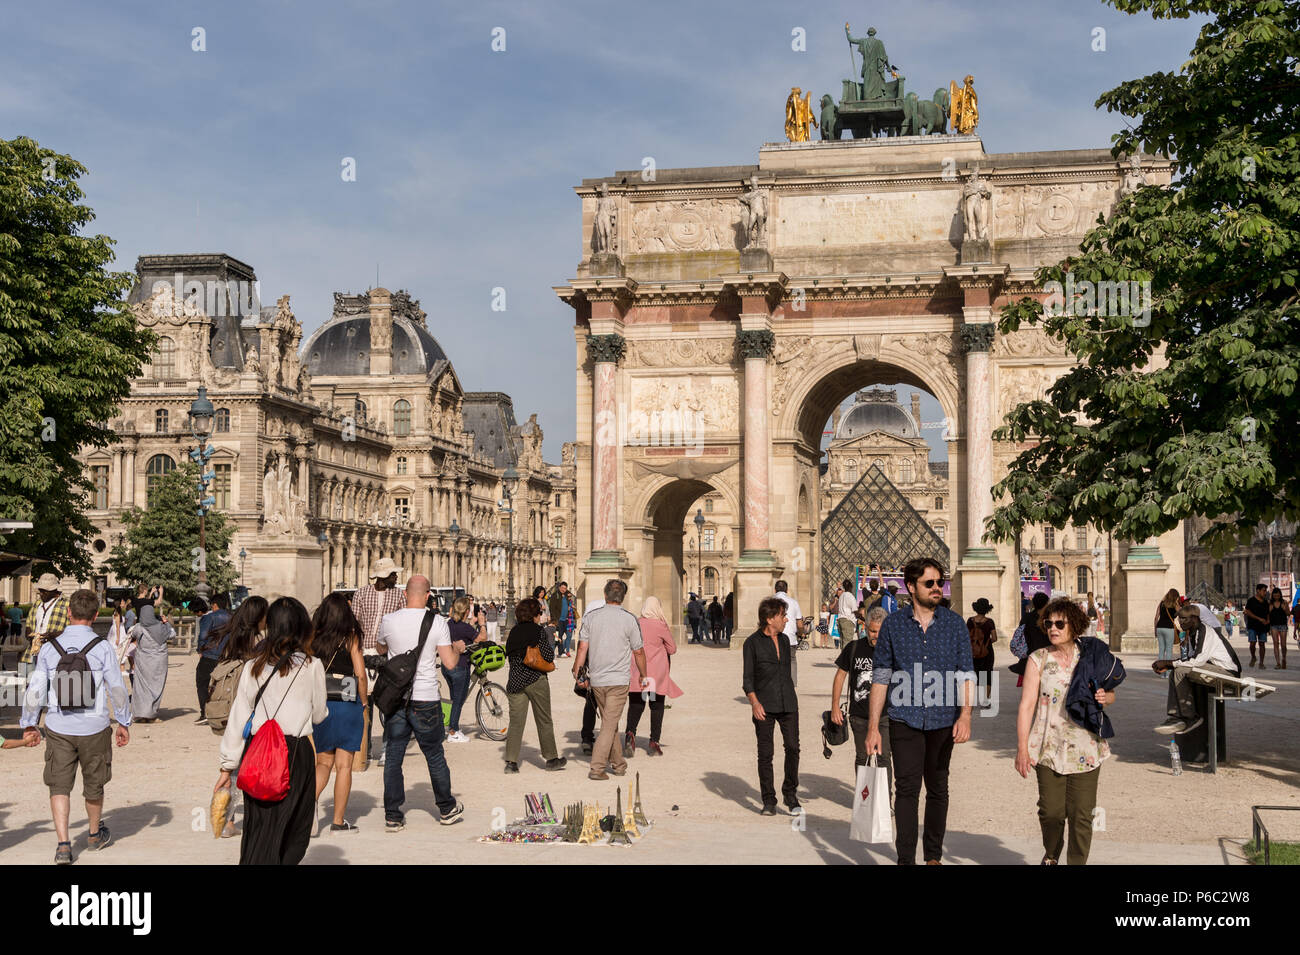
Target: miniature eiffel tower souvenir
(637, 812)
(590, 826)
(618, 835)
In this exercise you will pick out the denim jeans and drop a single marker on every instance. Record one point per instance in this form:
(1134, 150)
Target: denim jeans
(566, 638)
(425, 721)
(1165, 643)
(458, 686)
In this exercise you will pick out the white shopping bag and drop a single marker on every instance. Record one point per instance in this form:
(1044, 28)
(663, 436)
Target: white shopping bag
(871, 821)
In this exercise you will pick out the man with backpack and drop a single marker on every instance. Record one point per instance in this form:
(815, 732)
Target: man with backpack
(420, 632)
(77, 681)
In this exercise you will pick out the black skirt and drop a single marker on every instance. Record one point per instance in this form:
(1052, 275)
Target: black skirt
(277, 833)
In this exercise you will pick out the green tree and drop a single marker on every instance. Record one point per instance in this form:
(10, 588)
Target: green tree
(161, 540)
(1195, 413)
(69, 348)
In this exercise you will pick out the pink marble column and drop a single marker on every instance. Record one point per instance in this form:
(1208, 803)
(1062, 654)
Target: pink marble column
(757, 515)
(756, 347)
(978, 339)
(604, 351)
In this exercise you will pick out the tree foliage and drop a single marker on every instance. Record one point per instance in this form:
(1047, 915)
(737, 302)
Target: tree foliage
(69, 348)
(1196, 413)
(161, 540)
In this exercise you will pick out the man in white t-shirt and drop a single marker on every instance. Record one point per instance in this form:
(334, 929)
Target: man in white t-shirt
(793, 625)
(399, 632)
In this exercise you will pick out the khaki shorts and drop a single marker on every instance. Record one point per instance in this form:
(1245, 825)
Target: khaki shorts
(64, 753)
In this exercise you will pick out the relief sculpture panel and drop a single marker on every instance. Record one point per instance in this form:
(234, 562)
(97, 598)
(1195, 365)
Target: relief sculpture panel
(693, 225)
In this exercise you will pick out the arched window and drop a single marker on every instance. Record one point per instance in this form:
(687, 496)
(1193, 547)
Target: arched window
(164, 363)
(160, 421)
(907, 471)
(1082, 580)
(1054, 577)
(401, 417)
(158, 465)
(851, 471)
(222, 421)
(710, 582)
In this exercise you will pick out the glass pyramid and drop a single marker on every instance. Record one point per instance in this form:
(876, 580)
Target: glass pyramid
(875, 524)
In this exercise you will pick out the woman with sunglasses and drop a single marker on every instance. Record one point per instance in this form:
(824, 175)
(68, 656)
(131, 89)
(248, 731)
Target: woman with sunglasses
(1066, 685)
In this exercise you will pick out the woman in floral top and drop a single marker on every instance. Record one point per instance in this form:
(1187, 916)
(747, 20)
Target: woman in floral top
(1066, 757)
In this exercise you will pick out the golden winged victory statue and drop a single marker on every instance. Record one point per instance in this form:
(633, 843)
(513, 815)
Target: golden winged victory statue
(799, 116)
(964, 106)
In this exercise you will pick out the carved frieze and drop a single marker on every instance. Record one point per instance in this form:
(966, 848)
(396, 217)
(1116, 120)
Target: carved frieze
(1035, 212)
(681, 410)
(1030, 341)
(680, 352)
(694, 225)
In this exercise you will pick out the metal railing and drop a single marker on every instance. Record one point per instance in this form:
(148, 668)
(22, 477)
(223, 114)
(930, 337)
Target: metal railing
(1258, 827)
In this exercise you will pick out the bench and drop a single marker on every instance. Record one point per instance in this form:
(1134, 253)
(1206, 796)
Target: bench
(1220, 688)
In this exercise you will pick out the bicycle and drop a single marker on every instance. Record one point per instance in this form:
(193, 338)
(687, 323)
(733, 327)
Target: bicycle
(491, 708)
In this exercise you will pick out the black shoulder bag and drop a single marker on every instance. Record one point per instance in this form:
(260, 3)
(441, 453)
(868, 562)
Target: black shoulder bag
(393, 684)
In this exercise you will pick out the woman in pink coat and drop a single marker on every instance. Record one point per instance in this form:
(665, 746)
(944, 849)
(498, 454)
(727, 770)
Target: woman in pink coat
(659, 648)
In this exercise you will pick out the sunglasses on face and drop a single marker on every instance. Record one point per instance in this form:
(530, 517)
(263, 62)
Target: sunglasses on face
(1054, 624)
(932, 584)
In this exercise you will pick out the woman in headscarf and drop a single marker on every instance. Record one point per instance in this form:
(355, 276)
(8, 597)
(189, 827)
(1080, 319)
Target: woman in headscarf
(119, 635)
(659, 647)
(151, 636)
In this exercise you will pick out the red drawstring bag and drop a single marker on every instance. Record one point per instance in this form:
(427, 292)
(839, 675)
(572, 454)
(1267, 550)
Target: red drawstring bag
(264, 770)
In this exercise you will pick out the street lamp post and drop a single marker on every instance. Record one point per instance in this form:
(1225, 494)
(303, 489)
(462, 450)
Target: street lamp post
(1272, 532)
(243, 555)
(508, 481)
(201, 414)
(699, 550)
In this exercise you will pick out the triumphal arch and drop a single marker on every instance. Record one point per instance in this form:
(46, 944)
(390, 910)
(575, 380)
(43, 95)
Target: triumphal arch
(722, 313)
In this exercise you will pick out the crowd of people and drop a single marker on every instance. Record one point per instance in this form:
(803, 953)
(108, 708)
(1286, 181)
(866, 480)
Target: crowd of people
(317, 680)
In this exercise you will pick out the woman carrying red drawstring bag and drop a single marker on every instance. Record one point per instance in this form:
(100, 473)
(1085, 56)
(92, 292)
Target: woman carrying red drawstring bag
(268, 736)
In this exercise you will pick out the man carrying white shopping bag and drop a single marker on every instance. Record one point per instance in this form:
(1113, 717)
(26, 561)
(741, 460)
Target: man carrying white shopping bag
(871, 822)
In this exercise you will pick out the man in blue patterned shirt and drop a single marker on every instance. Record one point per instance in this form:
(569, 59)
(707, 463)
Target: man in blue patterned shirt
(923, 662)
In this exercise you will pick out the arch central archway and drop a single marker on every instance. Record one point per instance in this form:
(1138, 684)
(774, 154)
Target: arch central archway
(805, 417)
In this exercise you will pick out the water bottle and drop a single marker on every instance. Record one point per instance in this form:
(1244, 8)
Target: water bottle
(1175, 758)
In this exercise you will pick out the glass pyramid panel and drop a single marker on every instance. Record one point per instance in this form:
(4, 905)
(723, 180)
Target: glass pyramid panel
(875, 524)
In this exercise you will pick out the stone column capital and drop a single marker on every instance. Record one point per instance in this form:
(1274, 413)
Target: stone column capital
(606, 348)
(756, 343)
(977, 337)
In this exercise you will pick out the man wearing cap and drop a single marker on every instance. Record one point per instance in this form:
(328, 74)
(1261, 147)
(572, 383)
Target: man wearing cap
(371, 604)
(46, 619)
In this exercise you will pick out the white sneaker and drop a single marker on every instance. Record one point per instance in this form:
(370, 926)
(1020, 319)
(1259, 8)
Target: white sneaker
(456, 736)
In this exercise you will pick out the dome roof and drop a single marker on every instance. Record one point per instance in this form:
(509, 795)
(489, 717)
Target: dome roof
(876, 411)
(342, 347)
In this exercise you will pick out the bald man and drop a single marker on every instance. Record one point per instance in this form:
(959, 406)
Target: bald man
(402, 632)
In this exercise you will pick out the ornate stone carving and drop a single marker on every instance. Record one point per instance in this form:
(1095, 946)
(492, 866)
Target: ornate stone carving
(680, 411)
(252, 362)
(977, 337)
(755, 343)
(680, 352)
(1028, 342)
(283, 508)
(695, 225)
(569, 453)
(606, 348)
(1018, 386)
(867, 347)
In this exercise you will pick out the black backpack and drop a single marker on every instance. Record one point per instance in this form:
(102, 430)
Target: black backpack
(74, 680)
(393, 684)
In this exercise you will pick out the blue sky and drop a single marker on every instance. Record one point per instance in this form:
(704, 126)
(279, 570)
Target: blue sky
(466, 158)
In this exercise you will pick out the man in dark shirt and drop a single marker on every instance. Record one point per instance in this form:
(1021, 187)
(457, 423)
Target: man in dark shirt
(210, 649)
(924, 651)
(695, 617)
(1257, 623)
(770, 690)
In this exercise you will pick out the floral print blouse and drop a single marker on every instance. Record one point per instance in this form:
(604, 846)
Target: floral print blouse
(1056, 741)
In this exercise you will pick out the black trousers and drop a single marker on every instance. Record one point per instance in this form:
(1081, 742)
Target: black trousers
(202, 677)
(766, 733)
(983, 678)
(277, 833)
(917, 755)
(636, 706)
(589, 720)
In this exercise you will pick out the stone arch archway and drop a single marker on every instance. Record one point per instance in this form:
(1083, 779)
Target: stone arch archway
(844, 367)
